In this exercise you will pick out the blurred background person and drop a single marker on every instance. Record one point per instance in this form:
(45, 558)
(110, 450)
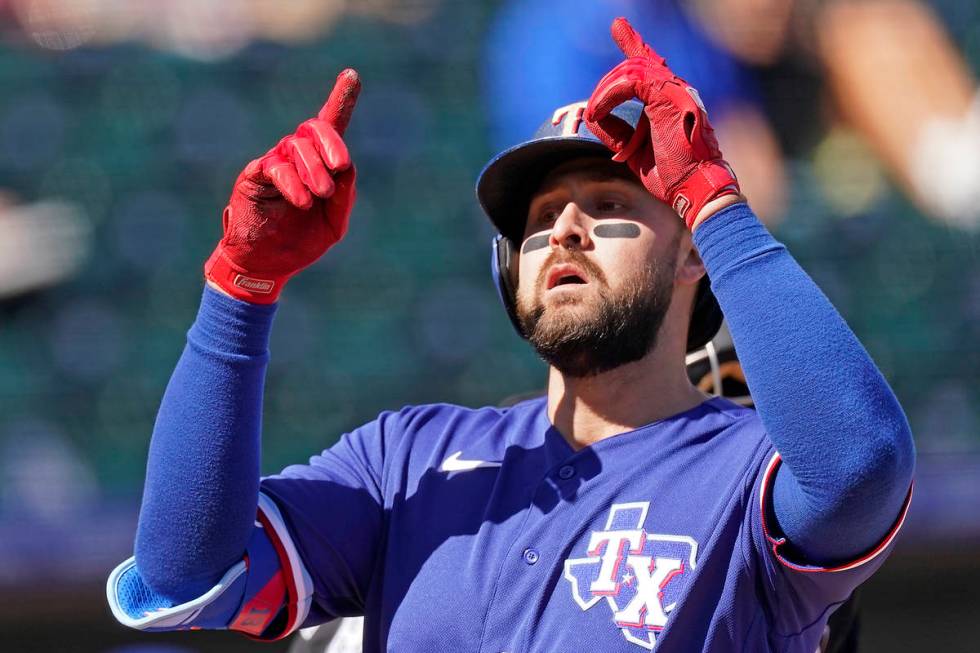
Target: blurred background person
(782, 79)
(41, 245)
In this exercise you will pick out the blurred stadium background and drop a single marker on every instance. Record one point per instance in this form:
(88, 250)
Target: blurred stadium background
(123, 124)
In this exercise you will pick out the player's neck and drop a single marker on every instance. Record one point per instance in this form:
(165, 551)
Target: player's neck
(587, 410)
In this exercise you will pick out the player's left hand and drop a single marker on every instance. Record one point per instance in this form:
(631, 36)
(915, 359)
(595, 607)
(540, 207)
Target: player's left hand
(674, 150)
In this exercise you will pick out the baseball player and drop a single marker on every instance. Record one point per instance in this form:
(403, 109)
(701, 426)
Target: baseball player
(715, 369)
(626, 510)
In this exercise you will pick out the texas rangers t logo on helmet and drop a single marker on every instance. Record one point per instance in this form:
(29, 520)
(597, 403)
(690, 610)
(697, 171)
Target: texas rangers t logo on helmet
(640, 575)
(570, 117)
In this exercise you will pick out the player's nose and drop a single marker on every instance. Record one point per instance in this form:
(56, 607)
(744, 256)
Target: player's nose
(571, 229)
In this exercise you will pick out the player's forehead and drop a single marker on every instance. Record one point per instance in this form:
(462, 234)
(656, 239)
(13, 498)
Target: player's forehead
(584, 169)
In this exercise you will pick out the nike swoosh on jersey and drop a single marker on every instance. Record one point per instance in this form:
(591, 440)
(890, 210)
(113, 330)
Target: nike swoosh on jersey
(456, 464)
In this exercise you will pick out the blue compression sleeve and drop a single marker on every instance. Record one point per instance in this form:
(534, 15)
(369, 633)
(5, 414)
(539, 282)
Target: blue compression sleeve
(846, 446)
(202, 475)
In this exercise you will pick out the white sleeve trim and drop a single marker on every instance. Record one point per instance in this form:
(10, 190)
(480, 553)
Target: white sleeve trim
(172, 617)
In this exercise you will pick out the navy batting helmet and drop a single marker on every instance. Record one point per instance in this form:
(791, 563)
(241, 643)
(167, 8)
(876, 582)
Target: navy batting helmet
(506, 184)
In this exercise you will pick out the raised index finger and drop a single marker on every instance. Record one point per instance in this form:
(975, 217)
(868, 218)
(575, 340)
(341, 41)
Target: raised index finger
(630, 42)
(339, 106)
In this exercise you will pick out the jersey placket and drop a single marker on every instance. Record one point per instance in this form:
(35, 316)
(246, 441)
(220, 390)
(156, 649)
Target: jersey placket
(533, 560)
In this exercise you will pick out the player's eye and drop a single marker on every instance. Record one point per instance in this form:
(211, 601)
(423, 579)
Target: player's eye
(609, 206)
(548, 215)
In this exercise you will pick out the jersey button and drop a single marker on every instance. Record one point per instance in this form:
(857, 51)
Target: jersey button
(531, 556)
(566, 472)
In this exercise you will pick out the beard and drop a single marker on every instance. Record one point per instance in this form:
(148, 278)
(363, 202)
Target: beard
(583, 338)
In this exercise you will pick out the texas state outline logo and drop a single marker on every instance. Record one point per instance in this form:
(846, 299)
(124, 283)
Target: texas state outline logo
(640, 575)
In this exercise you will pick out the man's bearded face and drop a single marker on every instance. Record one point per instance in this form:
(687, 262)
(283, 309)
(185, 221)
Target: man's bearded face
(595, 328)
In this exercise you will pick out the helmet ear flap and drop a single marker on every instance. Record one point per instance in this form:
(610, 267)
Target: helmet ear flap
(706, 317)
(503, 260)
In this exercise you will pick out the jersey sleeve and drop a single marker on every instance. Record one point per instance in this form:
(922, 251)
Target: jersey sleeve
(333, 515)
(265, 595)
(799, 592)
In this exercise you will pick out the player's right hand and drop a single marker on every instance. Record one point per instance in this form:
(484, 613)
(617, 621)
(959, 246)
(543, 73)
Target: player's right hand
(290, 205)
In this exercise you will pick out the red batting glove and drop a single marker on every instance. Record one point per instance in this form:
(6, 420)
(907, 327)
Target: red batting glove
(674, 151)
(289, 206)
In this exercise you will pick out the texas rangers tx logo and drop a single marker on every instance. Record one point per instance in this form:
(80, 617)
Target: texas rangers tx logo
(640, 575)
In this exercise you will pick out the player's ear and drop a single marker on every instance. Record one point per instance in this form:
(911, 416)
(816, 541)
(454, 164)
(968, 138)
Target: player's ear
(689, 268)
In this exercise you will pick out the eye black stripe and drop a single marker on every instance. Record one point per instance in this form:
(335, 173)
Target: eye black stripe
(535, 242)
(617, 230)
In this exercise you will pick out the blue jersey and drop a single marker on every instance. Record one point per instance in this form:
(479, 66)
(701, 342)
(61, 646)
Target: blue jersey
(483, 530)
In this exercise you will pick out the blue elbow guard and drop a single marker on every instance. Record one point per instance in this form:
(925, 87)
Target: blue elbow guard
(269, 582)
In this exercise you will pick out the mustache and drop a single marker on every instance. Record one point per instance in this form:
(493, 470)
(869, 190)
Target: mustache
(573, 257)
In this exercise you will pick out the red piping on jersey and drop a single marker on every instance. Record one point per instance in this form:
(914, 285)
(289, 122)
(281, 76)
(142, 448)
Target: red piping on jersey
(292, 599)
(767, 480)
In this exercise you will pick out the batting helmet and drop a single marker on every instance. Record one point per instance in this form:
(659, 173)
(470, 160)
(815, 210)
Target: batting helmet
(506, 184)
